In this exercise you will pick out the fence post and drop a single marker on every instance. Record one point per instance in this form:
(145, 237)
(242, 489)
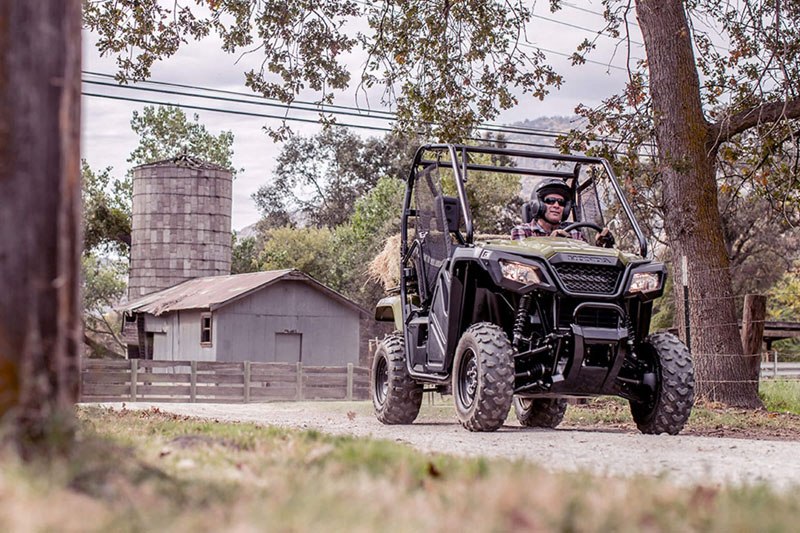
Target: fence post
(753, 315)
(775, 364)
(193, 383)
(349, 382)
(134, 378)
(686, 311)
(299, 381)
(247, 382)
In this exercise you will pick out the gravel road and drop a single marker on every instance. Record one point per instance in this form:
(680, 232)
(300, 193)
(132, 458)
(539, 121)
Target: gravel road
(681, 459)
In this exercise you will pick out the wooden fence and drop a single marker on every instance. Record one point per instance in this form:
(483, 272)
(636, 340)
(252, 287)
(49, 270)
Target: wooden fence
(198, 381)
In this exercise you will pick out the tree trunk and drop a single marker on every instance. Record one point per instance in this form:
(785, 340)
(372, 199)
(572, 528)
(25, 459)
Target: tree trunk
(40, 314)
(693, 223)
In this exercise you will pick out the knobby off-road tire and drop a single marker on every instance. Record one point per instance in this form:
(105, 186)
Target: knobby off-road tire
(671, 403)
(483, 377)
(396, 397)
(540, 412)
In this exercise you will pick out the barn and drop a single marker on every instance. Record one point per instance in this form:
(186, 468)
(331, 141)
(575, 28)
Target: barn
(274, 316)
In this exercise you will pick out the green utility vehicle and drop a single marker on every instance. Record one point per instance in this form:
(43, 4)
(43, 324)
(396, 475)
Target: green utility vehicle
(530, 322)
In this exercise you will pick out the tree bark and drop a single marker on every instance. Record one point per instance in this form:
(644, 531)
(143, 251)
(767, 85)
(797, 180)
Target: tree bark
(687, 156)
(40, 314)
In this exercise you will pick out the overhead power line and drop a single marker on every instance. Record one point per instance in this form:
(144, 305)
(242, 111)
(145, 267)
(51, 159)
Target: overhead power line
(286, 118)
(300, 105)
(248, 99)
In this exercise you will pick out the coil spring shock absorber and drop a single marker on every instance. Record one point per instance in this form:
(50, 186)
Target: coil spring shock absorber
(522, 316)
(631, 336)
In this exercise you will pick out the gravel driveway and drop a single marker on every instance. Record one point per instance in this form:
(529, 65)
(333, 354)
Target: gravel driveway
(680, 459)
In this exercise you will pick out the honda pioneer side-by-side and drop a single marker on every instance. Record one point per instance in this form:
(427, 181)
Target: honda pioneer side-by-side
(528, 322)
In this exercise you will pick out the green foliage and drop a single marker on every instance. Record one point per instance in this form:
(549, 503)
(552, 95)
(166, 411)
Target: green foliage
(106, 212)
(494, 199)
(783, 301)
(104, 284)
(318, 179)
(244, 256)
(453, 64)
(165, 132)
(306, 249)
(664, 308)
(377, 215)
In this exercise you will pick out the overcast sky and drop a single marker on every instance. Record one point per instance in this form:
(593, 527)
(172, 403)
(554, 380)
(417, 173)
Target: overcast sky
(108, 139)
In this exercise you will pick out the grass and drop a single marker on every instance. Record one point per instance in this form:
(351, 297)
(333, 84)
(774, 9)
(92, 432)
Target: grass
(148, 470)
(781, 396)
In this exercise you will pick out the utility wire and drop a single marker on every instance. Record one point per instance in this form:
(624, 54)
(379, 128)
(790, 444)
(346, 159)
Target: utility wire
(251, 99)
(254, 99)
(287, 118)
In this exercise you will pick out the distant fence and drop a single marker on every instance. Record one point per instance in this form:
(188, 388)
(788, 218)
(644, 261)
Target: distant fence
(775, 370)
(216, 382)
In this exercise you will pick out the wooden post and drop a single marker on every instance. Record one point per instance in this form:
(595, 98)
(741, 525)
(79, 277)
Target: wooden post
(134, 378)
(349, 382)
(686, 310)
(753, 315)
(193, 383)
(775, 364)
(299, 381)
(247, 382)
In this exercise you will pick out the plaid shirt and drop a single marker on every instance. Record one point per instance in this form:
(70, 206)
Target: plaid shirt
(533, 229)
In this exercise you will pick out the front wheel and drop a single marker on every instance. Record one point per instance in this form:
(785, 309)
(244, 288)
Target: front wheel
(396, 397)
(483, 377)
(668, 406)
(540, 412)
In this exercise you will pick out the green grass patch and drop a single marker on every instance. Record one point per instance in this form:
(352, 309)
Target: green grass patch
(149, 470)
(780, 395)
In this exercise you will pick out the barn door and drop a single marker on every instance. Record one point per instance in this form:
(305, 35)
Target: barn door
(288, 347)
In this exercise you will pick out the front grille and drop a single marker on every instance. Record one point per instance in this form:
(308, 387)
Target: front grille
(589, 279)
(596, 317)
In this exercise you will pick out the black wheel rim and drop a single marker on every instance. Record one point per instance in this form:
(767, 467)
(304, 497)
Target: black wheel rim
(381, 380)
(647, 404)
(467, 379)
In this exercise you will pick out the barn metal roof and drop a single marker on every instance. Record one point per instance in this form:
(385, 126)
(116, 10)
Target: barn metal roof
(214, 292)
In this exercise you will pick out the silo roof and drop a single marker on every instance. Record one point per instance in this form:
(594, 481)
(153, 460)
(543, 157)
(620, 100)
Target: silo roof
(213, 292)
(186, 160)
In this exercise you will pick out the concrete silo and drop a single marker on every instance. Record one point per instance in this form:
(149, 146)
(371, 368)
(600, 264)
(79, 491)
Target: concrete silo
(181, 223)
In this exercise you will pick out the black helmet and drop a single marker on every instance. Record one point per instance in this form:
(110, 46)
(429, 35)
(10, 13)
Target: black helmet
(536, 207)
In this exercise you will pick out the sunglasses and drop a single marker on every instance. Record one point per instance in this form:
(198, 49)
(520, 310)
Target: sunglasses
(559, 201)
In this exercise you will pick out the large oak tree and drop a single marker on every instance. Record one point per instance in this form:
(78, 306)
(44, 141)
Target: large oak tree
(449, 64)
(40, 319)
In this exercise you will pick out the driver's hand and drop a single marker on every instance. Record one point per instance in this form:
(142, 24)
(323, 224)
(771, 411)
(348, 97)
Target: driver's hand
(604, 239)
(560, 233)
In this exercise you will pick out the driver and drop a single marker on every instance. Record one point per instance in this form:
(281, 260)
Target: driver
(549, 208)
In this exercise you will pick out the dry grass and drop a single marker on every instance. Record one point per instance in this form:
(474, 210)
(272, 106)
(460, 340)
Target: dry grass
(145, 471)
(385, 267)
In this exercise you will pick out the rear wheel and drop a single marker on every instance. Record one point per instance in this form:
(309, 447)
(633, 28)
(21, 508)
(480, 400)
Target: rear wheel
(540, 412)
(396, 397)
(483, 377)
(668, 405)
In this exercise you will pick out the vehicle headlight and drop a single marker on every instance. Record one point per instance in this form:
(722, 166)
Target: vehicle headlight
(521, 273)
(645, 282)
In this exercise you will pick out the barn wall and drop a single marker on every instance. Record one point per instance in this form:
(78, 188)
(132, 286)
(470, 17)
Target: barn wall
(250, 328)
(177, 337)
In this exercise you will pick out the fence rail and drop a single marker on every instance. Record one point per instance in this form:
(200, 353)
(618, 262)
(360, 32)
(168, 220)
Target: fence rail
(199, 381)
(775, 370)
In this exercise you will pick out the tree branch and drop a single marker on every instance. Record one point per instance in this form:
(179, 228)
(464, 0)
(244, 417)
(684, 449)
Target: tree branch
(727, 127)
